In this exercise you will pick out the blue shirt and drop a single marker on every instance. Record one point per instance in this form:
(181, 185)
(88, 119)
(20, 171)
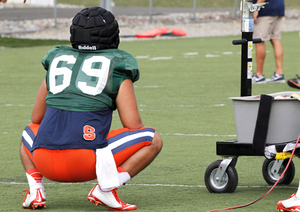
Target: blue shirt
(274, 8)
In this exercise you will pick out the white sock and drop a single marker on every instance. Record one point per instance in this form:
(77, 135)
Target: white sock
(123, 175)
(35, 180)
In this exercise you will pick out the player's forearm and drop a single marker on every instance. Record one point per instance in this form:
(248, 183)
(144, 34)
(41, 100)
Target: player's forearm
(40, 105)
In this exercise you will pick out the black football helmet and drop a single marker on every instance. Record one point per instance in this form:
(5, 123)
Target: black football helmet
(94, 28)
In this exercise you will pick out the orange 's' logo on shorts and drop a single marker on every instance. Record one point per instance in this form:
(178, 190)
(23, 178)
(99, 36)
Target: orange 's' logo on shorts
(89, 133)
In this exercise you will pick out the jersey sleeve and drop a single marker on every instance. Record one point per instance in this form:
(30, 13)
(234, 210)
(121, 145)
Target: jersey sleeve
(132, 69)
(46, 61)
(124, 66)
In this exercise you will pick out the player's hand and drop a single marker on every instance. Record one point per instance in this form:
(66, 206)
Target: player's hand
(255, 14)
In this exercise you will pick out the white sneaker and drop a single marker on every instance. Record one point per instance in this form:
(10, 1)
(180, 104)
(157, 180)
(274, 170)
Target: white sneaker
(258, 79)
(36, 200)
(276, 79)
(291, 204)
(108, 199)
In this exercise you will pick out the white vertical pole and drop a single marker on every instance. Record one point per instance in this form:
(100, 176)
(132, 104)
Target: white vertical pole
(235, 9)
(106, 4)
(150, 10)
(194, 9)
(55, 13)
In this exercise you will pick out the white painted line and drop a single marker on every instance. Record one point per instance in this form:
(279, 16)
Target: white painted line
(190, 53)
(146, 86)
(142, 57)
(153, 185)
(161, 58)
(227, 53)
(200, 135)
(212, 55)
(18, 105)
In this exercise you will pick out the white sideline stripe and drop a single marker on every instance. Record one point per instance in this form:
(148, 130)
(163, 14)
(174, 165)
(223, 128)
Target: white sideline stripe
(146, 86)
(153, 185)
(212, 55)
(142, 57)
(27, 138)
(215, 105)
(204, 135)
(161, 58)
(203, 186)
(179, 134)
(190, 53)
(130, 137)
(227, 53)
(16, 105)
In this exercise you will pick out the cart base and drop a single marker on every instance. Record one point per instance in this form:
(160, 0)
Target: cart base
(233, 148)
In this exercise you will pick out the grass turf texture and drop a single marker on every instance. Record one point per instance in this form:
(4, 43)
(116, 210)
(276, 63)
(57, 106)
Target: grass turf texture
(184, 96)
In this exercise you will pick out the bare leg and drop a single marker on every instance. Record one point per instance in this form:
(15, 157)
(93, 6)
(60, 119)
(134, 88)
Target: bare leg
(27, 163)
(143, 157)
(278, 53)
(260, 58)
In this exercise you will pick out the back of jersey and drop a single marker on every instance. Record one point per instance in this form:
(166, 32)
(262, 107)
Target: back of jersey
(81, 80)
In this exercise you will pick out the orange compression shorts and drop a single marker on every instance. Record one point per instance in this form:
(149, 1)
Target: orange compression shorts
(79, 165)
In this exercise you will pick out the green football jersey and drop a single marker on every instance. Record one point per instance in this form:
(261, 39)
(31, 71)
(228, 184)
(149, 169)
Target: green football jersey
(79, 80)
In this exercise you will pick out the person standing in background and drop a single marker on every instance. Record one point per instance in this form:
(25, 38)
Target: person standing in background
(267, 26)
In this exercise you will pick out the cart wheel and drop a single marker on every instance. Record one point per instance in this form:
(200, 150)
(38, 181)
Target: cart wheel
(228, 182)
(271, 177)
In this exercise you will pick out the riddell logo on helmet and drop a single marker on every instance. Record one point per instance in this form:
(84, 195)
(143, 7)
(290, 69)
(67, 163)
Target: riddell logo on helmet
(86, 47)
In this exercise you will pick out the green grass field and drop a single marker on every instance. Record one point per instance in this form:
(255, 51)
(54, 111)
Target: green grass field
(183, 92)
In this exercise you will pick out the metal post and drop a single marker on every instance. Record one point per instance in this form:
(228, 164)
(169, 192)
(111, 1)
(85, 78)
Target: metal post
(248, 8)
(194, 9)
(235, 9)
(106, 4)
(247, 48)
(150, 10)
(55, 13)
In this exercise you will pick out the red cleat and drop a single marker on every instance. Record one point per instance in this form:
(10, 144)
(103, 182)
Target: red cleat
(292, 204)
(108, 199)
(36, 200)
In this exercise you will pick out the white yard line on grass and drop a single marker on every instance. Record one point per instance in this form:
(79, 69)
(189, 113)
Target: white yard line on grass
(153, 185)
(177, 134)
(202, 135)
(161, 58)
(16, 105)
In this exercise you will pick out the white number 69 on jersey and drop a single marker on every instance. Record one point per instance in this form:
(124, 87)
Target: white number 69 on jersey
(66, 73)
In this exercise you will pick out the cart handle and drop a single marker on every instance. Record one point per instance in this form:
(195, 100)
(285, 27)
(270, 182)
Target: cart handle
(244, 41)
